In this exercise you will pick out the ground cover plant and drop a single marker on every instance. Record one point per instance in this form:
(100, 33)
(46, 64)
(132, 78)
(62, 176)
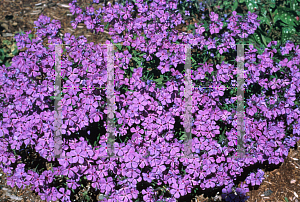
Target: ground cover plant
(7, 51)
(151, 147)
(279, 20)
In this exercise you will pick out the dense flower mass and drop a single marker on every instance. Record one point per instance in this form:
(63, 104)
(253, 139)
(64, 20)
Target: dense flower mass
(153, 154)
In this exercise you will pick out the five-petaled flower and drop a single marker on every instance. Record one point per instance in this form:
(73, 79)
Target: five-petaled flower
(177, 190)
(132, 161)
(64, 196)
(78, 154)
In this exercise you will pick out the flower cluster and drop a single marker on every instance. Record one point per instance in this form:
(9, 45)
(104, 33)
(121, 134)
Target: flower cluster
(255, 179)
(152, 154)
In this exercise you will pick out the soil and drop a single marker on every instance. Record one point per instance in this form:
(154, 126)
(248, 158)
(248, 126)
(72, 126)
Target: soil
(281, 182)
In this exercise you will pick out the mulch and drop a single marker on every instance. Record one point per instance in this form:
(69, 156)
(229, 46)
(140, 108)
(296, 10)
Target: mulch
(16, 15)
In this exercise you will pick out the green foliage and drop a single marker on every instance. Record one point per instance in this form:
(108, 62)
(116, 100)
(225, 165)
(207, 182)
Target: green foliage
(183, 136)
(86, 196)
(222, 137)
(138, 57)
(277, 22)
(8, 50)
(251, 5)
(106, 26)
(159, 81)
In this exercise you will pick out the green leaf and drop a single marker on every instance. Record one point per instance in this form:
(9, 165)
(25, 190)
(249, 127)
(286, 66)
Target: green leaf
(264, 20)
(193, 59)
(131, 69)
(106, 26)
(286, 199)
(6, 42)
(257, 38)
(190, 27)
(287, 18)
(30, 36)
(159, 81)
(226, 3)
(272, 3)
(286, 33)
(293, 5)
(286, 15)
(235, 5)
(264, 40)
(2, 54)
(276, 16)
(263, 11)
(119, 47)
(224, 24)
(268, 40)
(241, 1)
(251, 5)
(138, 60)
(183, 136)
(7, 64)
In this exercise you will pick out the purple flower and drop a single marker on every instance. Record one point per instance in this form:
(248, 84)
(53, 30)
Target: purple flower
(162, 54)
(148, 193)
(106, 185)
(72, 184)
(209, 168)
(218, 92)
(3, 130)
(78, 155)
(210, 183)
(70, 171)
(148, 177)
(49, 176)
(64, 196)
(159, 168)
(177, 190)
(132, 161)
(137, 130)
(140, 102)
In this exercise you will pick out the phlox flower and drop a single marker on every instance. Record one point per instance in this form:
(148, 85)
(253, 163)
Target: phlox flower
(139, 102)
(218, 91)
(132, 161)
(72, 184)
(177, 190)
(210, 183)
(70, 171)
(106, 185)
(64, 196)
(78, 154)
(213, 16)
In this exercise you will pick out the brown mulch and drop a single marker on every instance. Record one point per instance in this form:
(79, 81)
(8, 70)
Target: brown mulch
(283, 182)
(18, 15)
